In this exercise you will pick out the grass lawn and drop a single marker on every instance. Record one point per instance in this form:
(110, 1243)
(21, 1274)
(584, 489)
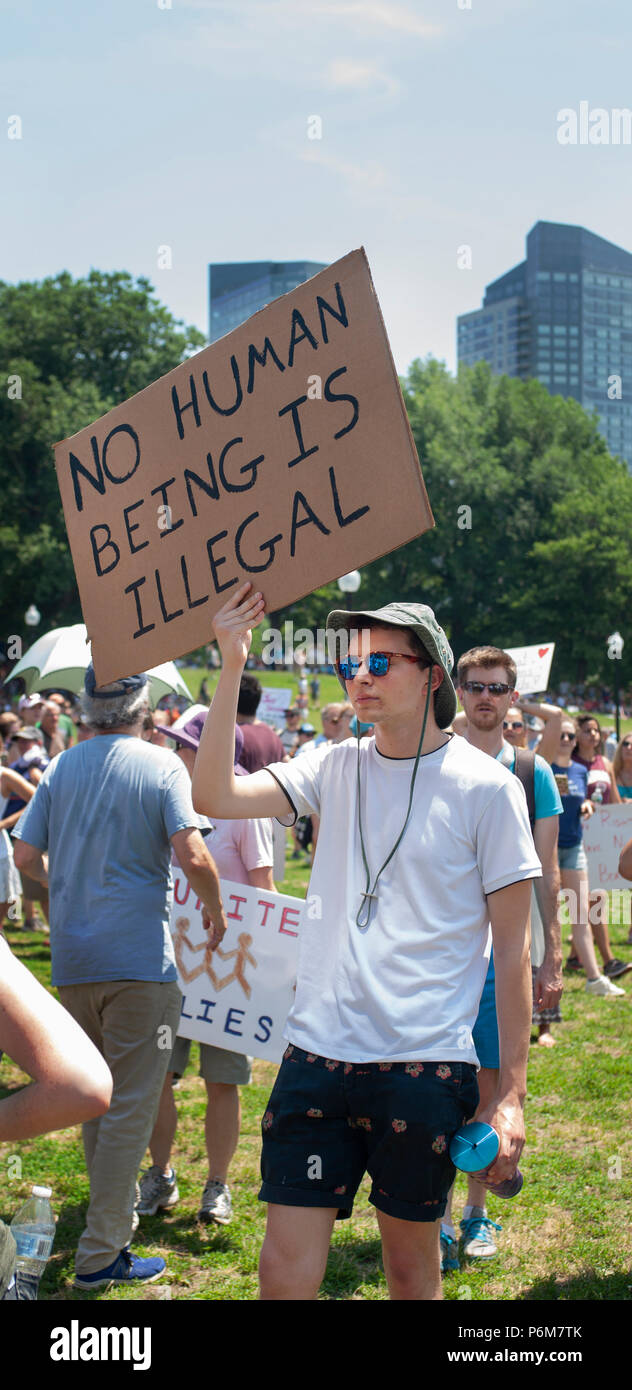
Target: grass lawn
(566, 1237)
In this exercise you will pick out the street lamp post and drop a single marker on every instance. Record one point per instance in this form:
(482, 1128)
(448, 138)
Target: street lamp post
(615, 652)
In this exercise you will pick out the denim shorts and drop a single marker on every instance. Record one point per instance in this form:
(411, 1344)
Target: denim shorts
(572, 857)
(328, 1123)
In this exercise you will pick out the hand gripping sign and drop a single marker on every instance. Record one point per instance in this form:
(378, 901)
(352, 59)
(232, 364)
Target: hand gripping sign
(238, 996)
(281, 454)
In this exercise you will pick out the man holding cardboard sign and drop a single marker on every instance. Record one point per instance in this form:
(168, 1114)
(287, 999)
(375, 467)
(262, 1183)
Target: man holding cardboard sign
(380, 1070)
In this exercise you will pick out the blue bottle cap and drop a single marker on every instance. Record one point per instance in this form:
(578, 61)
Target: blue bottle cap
(474, 1147)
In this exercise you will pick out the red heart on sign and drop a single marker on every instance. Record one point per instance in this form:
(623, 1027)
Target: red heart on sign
(542, 651)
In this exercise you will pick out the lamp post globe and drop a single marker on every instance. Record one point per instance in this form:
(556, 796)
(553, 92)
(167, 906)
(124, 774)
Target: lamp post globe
(32, 617)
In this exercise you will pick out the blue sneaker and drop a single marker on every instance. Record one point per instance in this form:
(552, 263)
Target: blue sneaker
(125, 1269)
(449, 1252)
(478, 1241)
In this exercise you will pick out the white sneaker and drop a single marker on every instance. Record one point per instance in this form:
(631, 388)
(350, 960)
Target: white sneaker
(604, 987)
(216, 1203)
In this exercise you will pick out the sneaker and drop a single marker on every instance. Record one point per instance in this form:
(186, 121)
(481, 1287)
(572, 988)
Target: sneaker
(157, 1191)
(125, 1269)
(478, 1241)
(216, 1203)
(603, 986)
(449, 1252)
(616, 967)
(573, 963)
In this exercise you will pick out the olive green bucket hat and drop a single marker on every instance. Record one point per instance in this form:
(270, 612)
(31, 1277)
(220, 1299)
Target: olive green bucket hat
(421, 620)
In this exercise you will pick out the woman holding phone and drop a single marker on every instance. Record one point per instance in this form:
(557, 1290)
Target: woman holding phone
(572, 782)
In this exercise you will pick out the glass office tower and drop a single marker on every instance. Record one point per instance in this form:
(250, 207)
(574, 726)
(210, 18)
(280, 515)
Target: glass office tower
(564, 315)
(237, 289)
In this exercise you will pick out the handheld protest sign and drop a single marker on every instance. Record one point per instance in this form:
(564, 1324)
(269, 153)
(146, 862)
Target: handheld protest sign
(281, 454)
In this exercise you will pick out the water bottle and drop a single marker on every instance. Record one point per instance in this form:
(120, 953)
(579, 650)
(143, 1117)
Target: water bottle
(33, 1229)
(597, 794)
(474, 1148)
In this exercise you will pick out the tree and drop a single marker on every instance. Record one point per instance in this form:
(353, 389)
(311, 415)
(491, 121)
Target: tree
(532, 522)
(70, 350)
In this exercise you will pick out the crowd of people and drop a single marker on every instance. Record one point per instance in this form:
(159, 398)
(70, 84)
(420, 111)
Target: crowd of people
(438, 860)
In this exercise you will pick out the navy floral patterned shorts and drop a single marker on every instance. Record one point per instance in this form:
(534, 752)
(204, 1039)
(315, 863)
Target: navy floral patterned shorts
(328, 1123)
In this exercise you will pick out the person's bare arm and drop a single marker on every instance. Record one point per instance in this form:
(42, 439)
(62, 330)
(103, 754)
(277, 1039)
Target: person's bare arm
(30, 859)
(13, 784)
(216, 790)
(548, 981)
(625, 861)
(262, 878)
(71, 1081)
(509, 917)
(551, 716)
(615, 796)
(199, 868)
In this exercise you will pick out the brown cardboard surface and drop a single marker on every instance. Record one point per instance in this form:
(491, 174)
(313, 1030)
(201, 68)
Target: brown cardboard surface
(280, 454)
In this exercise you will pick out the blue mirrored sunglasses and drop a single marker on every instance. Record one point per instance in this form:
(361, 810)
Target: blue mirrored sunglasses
(377, 664)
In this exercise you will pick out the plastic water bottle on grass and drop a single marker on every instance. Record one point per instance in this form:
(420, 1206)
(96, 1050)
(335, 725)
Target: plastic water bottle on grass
(33, 1229)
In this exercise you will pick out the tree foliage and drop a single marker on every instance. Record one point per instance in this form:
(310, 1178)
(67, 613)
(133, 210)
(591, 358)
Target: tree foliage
(69, 351)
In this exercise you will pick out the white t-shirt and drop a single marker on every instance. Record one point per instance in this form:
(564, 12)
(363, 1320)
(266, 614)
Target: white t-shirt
(408, 987)
(237, 846)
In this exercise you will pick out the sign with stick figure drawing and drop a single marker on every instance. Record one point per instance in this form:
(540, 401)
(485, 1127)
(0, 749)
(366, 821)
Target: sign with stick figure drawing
(239, 995)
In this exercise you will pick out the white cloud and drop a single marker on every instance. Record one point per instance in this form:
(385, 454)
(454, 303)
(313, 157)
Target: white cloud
(360, 77)
(370, 176)
(359, 13)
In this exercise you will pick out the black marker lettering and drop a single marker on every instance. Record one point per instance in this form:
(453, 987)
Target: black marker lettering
(299, 322)
(267, 545)
(341, 316)
(252, 465)
(305, 453)
(260, 357)
(166, 617)
(353, 516)
(191, 603)
(96, 479)
(97, 550)
(330, 396)
(190, 405)
(211, 488)
(310, 519)
(239, 395)
(132, 507)
(142, 627)
(121, 429)
(215, 564)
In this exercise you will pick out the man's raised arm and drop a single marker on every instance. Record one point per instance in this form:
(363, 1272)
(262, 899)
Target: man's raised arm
(216, 790)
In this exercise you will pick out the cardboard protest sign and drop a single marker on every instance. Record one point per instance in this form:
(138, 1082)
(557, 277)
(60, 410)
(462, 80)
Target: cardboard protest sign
(273, 705)
(239, 996)
(534, 667)
(281, 454)
(606, 833)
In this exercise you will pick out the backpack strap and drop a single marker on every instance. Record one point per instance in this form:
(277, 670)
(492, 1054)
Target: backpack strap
(524, 770)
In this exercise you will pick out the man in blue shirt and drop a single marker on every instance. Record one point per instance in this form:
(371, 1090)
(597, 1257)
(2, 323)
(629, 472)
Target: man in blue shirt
(108, 812)
(486, 679)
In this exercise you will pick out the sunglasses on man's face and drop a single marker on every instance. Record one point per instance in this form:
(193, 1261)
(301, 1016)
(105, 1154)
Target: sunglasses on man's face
(513, 724)
(377, 664)
(627, 746)
(477, 687)
(567, 738)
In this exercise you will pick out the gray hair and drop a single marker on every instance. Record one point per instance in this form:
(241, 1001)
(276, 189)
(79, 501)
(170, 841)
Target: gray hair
(126, 710)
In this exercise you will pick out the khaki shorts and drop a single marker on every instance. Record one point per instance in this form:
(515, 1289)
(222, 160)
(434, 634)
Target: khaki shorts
(217, 1065)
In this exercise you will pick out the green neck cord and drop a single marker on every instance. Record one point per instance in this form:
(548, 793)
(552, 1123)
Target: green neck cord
(364, 911)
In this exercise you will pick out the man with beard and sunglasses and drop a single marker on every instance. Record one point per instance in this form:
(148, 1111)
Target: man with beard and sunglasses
(486, 680)
(424, 841)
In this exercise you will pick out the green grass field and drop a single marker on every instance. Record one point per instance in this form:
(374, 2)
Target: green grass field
(566, 1237)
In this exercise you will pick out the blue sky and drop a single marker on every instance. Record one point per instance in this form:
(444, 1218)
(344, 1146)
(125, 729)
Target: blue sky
(187, 126)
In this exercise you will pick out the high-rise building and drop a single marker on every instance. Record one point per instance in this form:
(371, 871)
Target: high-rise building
(564, 315)
(238, 288)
